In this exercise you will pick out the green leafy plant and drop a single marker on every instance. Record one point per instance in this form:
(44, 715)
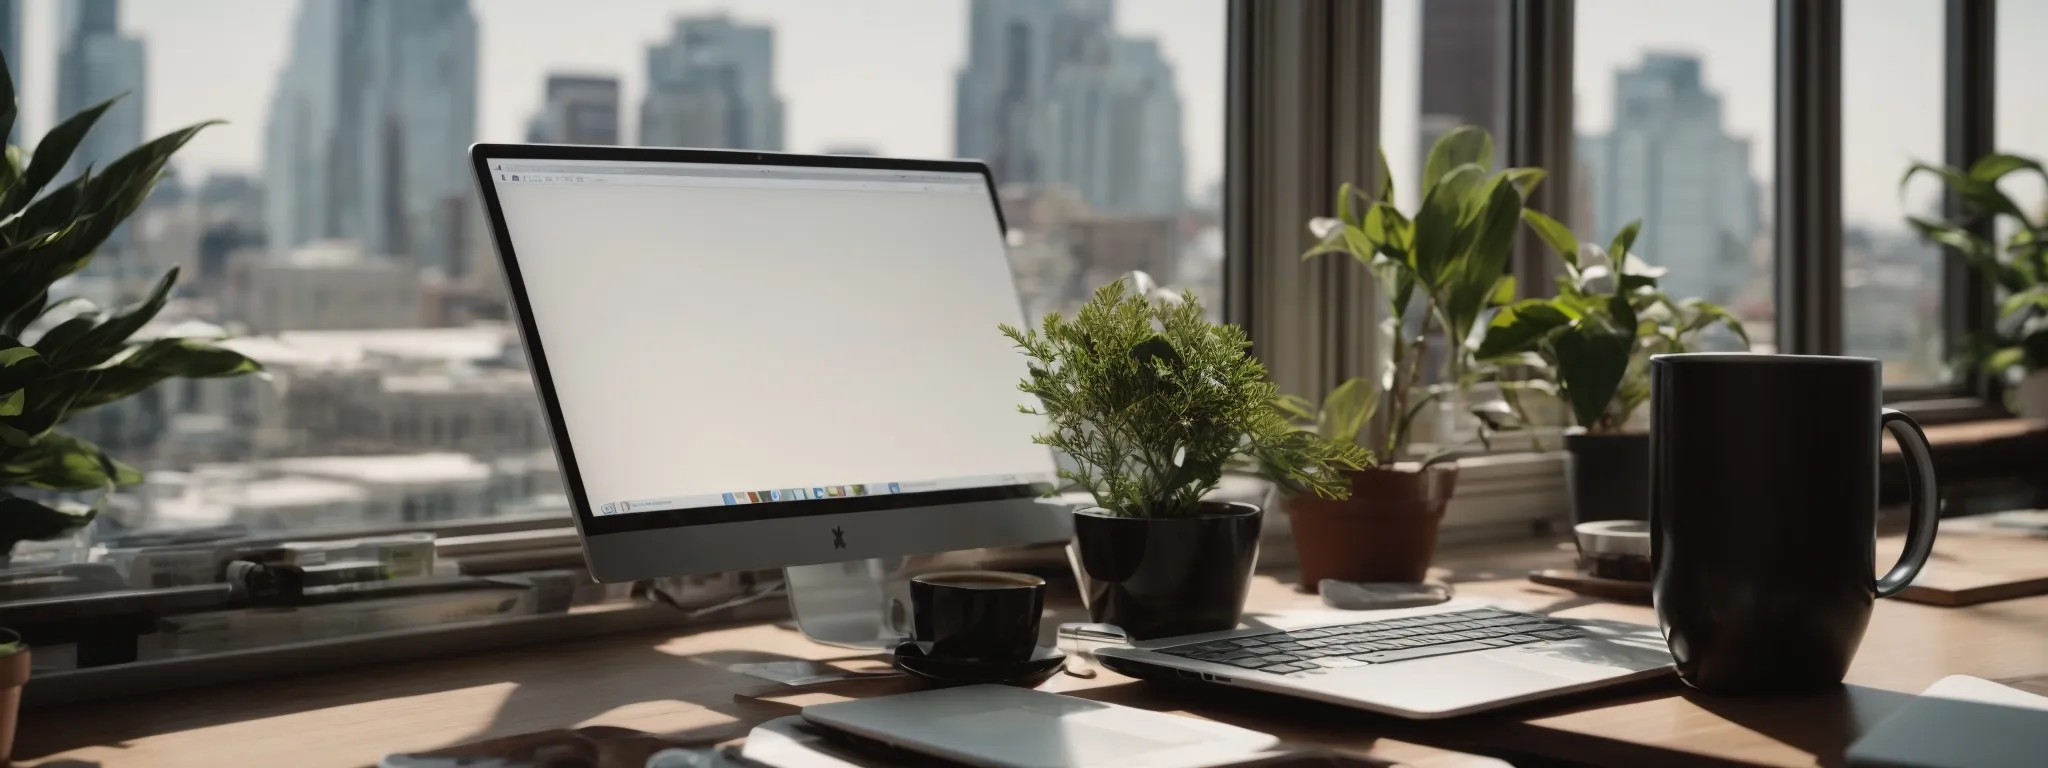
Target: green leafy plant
(1590, 345)
(2018, 342)
(1452, 257)
(60, 357)
(1154, 402)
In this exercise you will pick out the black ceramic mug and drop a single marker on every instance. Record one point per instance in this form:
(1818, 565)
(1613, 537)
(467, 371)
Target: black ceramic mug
(981, 616)
(1763, 514)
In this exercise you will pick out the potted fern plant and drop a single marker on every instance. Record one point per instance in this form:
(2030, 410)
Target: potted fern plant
(2015, 348)
(1438, 273)
(62, 356)
(1590, 346)
(1153, 402)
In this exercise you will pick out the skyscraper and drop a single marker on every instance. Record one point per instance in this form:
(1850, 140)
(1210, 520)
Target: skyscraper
(95, 62)
(10, 46)
(1669, 162)
(580, 109)
(712, 84)
(1051, 95)
(367, 130)
(1462, 45)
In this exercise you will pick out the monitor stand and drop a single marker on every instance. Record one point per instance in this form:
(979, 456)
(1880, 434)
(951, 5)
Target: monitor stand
(854, 604)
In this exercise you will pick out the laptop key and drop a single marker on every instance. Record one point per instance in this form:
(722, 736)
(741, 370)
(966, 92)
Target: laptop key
(1281, 669)
(1561, 634)
(1281, 658)
(1287, 646)
(1519, 639)
(1249, 642)
(1407, 654)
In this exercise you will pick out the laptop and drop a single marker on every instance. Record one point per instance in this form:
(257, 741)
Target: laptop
(1421, 663)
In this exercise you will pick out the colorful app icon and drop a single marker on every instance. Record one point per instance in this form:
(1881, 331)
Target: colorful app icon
(837, 490)
(792, 494)
(753, 498)
(728, 499)
(767, 495)
(610, 508)
(817, 493)
(894, 488)
(860, 490)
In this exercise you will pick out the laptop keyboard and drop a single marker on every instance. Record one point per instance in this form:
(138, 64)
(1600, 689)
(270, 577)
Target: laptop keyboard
(1379, 642)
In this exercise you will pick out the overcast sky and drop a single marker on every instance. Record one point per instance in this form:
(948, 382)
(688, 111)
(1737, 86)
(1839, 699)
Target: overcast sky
(880, 72)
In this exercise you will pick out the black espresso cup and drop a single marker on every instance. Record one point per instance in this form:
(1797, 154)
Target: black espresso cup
(1763, 514)
(981, 616)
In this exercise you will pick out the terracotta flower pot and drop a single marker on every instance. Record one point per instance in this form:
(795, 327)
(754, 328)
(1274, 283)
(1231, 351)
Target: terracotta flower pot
(13, 674)
(1169, 576)
(1386, 531)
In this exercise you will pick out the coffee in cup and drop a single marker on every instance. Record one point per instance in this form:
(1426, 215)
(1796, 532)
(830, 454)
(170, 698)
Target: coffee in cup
(980, 616)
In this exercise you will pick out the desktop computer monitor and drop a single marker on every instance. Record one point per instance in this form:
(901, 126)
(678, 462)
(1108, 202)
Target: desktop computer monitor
(755, 360)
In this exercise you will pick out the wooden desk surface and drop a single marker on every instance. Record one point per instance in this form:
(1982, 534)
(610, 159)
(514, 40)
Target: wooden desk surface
(678, 684)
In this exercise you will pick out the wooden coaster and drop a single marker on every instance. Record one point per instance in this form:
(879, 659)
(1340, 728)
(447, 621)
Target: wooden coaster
(1973, 565)
(1593, 586)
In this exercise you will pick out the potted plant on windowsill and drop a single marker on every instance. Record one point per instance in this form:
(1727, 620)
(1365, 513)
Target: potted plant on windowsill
(2015, 348)
(1438, 273)
(1590, 346)
(1153, 402)
(58, 356)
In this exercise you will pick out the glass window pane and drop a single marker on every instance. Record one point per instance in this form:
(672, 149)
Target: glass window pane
(1443, 66)
(331, 226)
(1892, 77)
(1673, 104)
(2022, 122)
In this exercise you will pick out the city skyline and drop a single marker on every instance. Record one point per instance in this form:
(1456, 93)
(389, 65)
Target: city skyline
(831, 79)
(1890, 48)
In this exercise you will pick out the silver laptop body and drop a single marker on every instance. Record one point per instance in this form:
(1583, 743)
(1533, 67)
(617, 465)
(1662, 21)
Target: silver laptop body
(1422, 663)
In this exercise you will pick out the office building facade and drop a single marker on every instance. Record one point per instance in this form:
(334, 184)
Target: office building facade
(1464, 45)
(1669, 162)
(1051, 95)
(579, 109)
(96, 62)
(368, 127)
(712, 84)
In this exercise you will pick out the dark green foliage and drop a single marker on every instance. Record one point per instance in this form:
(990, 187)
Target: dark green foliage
(50, 372)
(2018, 342)
(1153, 402)
(1590, 345)
(1454, 254)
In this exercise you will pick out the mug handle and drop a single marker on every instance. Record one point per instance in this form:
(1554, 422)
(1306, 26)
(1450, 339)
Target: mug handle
(1925, 512)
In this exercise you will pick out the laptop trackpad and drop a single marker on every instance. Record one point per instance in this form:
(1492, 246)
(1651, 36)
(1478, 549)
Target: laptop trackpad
(1446, 683)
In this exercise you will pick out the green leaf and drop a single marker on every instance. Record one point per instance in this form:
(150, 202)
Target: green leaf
(1992, 167)
(1591, 362)
(1520, 327)
(51, 154)
(9, 107)
(25, 520)
(1463, 145)
(1503, 292)
(62, 462)
(1347, 409)
(1386, 194)
(1397, 279)
(12, 402)
(1344, 205)
(1486, 259)
(1617, 251)
(1554, 234)
(1524, 179)
(2005, 359)
(1980, 195)
(1437, 227)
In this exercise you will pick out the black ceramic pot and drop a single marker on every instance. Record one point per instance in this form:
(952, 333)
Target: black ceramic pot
(1608, 476)
(1166, 577)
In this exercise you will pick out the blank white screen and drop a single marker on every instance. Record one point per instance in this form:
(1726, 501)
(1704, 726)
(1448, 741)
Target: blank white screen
(704, 339)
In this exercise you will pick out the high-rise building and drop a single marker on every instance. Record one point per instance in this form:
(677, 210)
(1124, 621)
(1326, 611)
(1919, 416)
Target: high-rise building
(10, 47)
(1463, 42)
(712, 84)
(1051, 95)
(367, 131)
(1669, 162)
(95, 62)
(579, 109)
